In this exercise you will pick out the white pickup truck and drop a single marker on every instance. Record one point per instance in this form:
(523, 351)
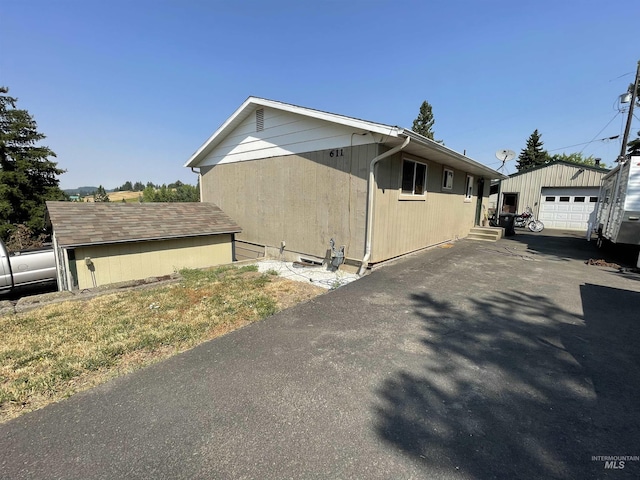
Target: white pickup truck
(26, 267)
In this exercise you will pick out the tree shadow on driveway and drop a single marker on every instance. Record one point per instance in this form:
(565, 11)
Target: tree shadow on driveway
(566, 245)
(518, 387)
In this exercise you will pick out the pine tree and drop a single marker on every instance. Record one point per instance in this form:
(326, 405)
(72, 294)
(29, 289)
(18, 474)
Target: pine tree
(423, 124)
(533, 155)
(633, 147)
(100, 195)
(28, 178)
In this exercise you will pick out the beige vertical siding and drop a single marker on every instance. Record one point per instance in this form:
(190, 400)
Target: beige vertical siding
(402, 226)
(303, 200)
(529, 185)
(133, 261)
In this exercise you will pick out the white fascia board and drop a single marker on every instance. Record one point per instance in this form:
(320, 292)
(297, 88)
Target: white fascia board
(252, 103)
(194, 159)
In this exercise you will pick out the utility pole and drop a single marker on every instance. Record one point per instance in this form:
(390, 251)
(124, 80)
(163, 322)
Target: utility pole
(634, 96)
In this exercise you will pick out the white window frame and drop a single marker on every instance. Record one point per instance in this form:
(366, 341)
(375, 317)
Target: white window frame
(404, 195)
(468, 193)
(447, 179)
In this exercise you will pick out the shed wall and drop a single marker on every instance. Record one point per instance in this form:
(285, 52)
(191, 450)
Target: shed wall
(529, 185)
(134, 261)
(402, 226)
(303, 200)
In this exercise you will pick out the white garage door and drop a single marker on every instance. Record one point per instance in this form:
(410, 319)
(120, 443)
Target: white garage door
(567, 208)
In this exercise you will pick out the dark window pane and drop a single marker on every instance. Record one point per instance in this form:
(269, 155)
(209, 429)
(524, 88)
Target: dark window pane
(593, 199)
(447, 179)
(421, 172)
(407, 176)
(549, 199)
(578, 200)
(564, 199)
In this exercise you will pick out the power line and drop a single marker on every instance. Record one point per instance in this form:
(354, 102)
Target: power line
(623, 75)
(594, 137)
(586, 143)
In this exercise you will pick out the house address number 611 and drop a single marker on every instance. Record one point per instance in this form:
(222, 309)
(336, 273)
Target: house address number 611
(338, 152)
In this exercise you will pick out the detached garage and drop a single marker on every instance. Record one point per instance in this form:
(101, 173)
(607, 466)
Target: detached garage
(562, 195)
(568, 208)
(104, 243)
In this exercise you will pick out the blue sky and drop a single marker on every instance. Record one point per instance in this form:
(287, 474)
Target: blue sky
(128, 90)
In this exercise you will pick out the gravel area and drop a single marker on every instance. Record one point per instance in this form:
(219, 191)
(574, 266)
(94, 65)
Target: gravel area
(318, 275)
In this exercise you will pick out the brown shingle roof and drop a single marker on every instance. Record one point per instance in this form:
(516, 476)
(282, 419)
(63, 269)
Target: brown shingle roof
(77, 223)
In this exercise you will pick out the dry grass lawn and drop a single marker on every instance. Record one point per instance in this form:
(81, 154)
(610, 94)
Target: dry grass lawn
(129, 197)
(57, 350)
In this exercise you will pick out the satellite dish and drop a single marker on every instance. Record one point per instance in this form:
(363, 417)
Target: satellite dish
(504, 156)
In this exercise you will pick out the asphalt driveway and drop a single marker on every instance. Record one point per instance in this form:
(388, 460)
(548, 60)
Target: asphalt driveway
(484, 360)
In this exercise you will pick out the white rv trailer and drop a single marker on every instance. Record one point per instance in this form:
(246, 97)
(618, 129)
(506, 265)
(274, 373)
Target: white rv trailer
(618, 217)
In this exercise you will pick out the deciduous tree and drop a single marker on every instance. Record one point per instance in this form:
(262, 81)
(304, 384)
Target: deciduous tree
(577, 158)
(181, 193)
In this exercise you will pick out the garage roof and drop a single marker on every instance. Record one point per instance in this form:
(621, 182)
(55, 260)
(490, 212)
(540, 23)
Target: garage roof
(79, 224)
(578, 166)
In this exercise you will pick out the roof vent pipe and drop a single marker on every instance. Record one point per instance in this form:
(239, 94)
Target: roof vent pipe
(370, 190)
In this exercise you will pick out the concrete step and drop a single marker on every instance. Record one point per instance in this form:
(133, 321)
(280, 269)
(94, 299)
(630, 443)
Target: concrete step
(487, 234)
(484, 238)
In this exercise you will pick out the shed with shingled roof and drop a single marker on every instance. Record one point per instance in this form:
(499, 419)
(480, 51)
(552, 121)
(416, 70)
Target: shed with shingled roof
(104, 243)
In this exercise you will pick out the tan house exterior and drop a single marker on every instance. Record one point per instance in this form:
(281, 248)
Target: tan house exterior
(105, 243)
(562, 195)
(296, 178)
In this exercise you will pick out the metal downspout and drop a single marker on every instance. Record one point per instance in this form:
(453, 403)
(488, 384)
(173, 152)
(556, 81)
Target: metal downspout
(199, 173)
(371, 191)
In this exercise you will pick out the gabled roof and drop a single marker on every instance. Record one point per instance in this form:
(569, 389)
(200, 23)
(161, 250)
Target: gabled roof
(94, 223)
(390, 135)
(561, 162)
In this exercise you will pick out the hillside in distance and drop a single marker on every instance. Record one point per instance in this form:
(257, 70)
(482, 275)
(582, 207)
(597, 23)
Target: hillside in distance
(82, 191)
